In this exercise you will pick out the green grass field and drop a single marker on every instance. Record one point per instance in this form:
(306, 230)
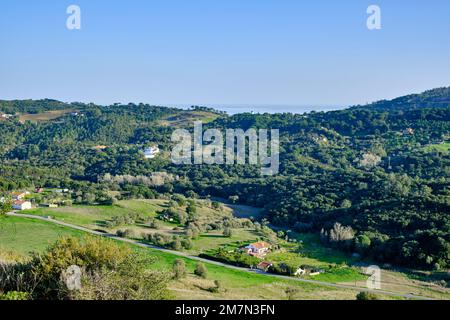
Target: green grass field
(312, 253)
(24, 236)
(445, 147)
(94, 217)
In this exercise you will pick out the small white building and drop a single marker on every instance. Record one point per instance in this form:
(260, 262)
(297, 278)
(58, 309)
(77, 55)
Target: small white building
(150, 153)
(300, 272)
(257, 249)
(21, 205)
(19, 195)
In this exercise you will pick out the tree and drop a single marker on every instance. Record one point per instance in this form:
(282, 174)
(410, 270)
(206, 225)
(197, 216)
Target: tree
(216, 205)
(340, 233)
(200, 270)
(227, 232)
(5, 206)
(291, 293)
(191, 210)
(179, 269)
(366, 296)
(362, 243)
(109, 271)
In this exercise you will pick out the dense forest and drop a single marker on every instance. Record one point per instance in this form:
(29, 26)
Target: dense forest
(382, 171)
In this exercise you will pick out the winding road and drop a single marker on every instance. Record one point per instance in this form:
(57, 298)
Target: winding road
(185, 255)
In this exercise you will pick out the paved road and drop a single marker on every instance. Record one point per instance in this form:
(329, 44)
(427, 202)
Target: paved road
(185, 255)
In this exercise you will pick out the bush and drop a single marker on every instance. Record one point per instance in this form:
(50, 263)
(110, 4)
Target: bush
(109, 272)
(227, 233)
(15, 295)
(366, 296)
(127, 233)
(179, 269)
(201, 271)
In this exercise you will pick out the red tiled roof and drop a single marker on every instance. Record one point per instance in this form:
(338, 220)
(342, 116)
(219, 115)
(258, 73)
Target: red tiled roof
(260, 245)
(264, 264)
(17, 193)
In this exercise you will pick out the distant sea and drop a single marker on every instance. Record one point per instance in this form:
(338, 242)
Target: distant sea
(234, 109)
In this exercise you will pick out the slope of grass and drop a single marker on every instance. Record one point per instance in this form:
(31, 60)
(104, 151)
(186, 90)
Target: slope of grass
(24, 236)
(44, 116)
(445, 147)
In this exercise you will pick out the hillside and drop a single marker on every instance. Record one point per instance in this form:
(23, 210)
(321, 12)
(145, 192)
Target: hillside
(383, 170)
(436, 98)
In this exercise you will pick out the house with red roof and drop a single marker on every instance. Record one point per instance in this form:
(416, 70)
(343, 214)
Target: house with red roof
(264, 266)
(258, 249)
(21, 205)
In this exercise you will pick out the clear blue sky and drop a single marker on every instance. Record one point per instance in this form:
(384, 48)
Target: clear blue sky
(271, 52)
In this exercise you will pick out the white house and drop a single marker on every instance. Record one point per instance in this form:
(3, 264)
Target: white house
(257, 249)
(300, 272)
(150, 153)
(19, 195)
(21, 205)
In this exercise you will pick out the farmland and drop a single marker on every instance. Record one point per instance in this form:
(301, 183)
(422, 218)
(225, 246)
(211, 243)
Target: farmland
(15, 236)
(24, 236)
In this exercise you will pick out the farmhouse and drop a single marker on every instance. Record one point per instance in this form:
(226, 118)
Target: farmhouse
(48, 205)
(264, 266)
(308, 270)
(19, 195)
(21, 205)
(408, 131)
(300, 272)
(100, 147)
(150, 153)
(257, 249)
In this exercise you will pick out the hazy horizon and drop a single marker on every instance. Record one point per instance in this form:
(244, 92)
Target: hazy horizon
(255, 52)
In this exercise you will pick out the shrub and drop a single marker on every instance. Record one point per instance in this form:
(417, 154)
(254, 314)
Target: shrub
(179, 269)
(127, 233)
(201, 271)
(366, 296)
(15, 295)
(227, 233)
(109, 271)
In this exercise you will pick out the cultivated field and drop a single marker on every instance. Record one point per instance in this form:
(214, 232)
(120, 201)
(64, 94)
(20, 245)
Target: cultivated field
(44, 116)
(24, 235)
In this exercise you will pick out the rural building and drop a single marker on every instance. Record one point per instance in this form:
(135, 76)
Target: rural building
(150, 153)
(300, 272)
(308, 270)
(264, 266)
(408, 131)
(48, 205)
(19, 195)
(21, 205)
(100, 148)
(257, 249)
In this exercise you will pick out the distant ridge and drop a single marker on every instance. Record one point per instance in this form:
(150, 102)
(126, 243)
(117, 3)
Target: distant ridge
(435, 98)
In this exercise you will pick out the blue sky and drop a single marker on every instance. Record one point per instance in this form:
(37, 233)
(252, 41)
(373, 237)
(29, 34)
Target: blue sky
(261, 52)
